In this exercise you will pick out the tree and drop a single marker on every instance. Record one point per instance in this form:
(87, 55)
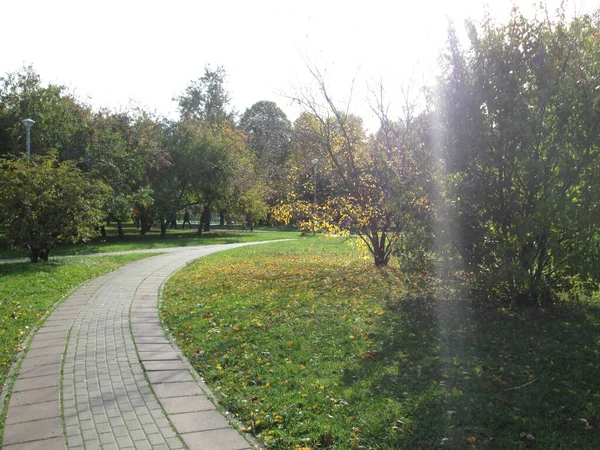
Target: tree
(122, 150)
(520, 139)
(206, 98)
(61, 122)
(268, 134)
(223, 169)
(225, 176)
(369, 187)
(45, 201)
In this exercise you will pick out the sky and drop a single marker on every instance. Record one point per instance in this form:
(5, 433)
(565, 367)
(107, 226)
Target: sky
(146, 52)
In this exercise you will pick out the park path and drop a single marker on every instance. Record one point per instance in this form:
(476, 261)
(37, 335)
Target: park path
(100, 373)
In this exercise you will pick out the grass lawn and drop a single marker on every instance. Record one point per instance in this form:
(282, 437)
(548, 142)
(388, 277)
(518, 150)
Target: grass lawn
(135, 241)
(27, 291)
(312, 347)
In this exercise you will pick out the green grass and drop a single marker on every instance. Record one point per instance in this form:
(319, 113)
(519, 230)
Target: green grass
(28, 291)
(311, 347)
(135, 241)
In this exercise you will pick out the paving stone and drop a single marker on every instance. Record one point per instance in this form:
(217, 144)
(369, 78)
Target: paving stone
(149, 428)
(169, 376)
(56, 443)
(198, 421)
(37, 371)
(125, 442)
(27, 384)
(38, 411)
(145, 418)
(25, 432)
(175, 443)
(74, 441)
(164, 365)
(159, 356)
(54, 328)
(164, 346)
(57, 349)
(116, 421)
(72, 430)
(107, 438)
(90, 435)
(54, 335)
(142, 445)
(137, 435)
(148, 333)
(227, 439)
(103, 428)
(92, 445)
(38, 342)
(100, 418)
(192, 403)
(184, 388)
(155, 440)
(133, 425)
(41, 361)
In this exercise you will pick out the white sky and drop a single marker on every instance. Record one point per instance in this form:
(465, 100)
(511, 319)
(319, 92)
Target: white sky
(113, 52)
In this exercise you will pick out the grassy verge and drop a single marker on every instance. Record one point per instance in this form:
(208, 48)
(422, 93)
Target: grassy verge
(311, 347)
(133, 240)
(27, 291)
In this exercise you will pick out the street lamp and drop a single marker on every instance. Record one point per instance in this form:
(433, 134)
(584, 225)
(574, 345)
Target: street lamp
(28, 124)
(314, 164)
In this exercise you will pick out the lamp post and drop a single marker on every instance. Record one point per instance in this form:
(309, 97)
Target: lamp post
(28, 124)
(314, 164)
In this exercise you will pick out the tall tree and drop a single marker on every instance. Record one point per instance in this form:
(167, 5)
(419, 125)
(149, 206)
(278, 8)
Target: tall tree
(206, 98)
(268, 133)
(212, 139)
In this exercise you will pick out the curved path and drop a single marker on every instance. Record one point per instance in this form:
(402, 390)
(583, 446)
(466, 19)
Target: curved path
(100, 373)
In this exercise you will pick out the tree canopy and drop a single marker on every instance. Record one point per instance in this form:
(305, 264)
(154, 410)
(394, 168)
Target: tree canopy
(519, 127)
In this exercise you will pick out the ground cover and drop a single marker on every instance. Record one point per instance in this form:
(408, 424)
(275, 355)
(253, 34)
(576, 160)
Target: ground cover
(311, 347)
(133, 240)
(28, 291)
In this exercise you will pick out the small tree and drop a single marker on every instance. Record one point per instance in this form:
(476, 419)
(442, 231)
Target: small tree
(374, 188)
(45, 202)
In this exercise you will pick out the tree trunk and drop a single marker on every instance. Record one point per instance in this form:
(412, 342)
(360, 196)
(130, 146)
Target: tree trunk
(103, 230)
(120, 229)
(163, 228)
(37, 254)
(222, 218)
(205, 219)
(145, 225)
(381, 259)
(34, 254)
(144, 219)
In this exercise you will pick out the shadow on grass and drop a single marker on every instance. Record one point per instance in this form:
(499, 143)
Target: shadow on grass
(463, 375)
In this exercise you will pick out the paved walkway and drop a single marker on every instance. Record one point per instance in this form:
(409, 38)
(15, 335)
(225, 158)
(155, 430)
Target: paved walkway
(100, 373)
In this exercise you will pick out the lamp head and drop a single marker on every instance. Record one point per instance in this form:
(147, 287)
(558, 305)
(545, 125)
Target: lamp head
(28, 123)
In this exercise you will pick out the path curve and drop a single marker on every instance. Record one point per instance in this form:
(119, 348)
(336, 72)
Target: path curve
(100, 373)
